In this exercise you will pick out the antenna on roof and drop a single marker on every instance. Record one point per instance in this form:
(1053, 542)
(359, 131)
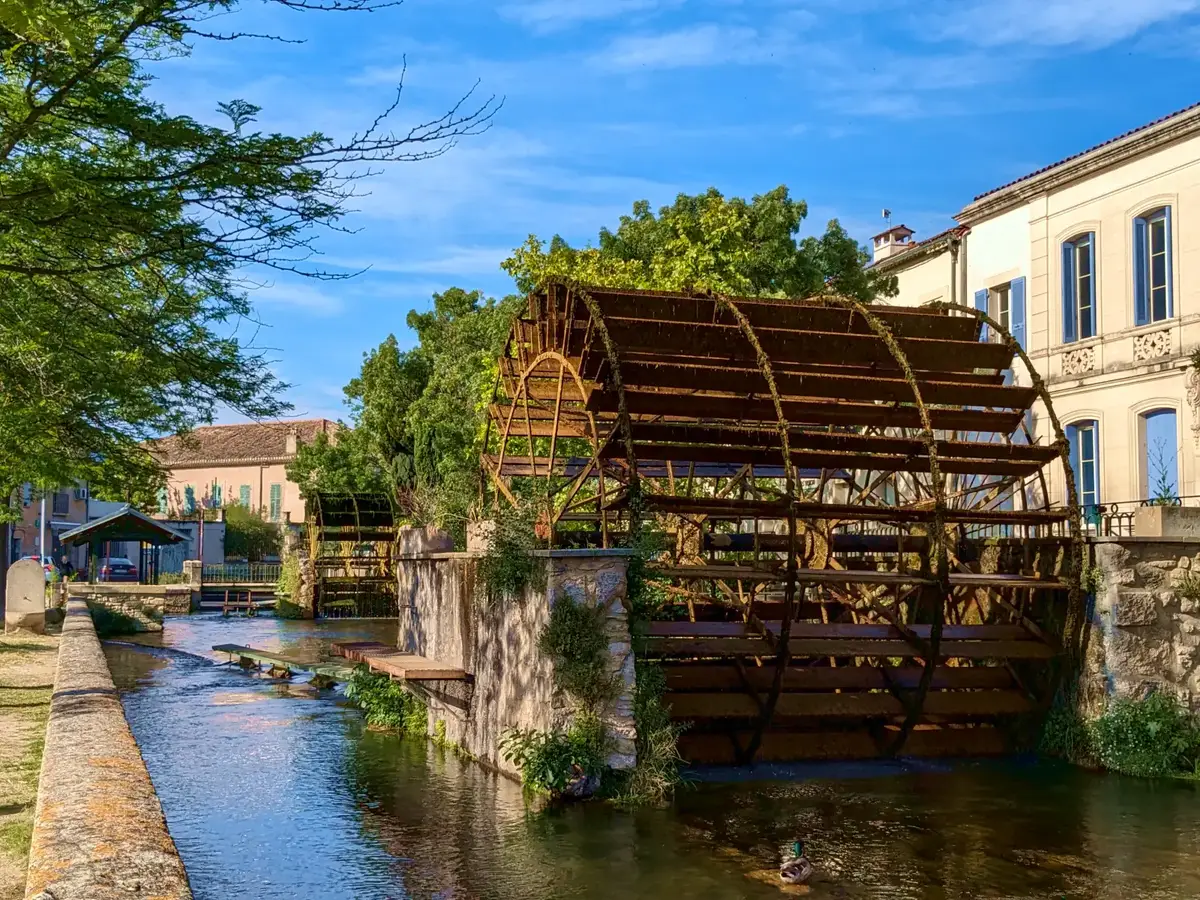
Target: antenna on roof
(887, 216)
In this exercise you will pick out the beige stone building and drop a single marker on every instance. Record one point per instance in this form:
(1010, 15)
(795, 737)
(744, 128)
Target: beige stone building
(1094, 265)
(219, 465)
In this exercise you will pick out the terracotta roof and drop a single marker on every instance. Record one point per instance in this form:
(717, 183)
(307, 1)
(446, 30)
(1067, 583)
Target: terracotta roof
(251, 442)
(1111, 140)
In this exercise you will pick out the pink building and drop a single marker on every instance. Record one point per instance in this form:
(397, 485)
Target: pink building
(219, 465)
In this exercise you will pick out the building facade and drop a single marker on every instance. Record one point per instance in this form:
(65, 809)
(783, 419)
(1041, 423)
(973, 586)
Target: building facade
(219, 465)
(1093, 263)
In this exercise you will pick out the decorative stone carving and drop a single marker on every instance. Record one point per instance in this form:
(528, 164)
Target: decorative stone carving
(1079, 362)
(1193, 399)
(1151, 346)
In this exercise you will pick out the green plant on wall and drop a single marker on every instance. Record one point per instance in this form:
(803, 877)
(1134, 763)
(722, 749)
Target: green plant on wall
(385, 704)
(288, 589)
(508, 567)
(1150, 738)
(552, 761)
(576, 643)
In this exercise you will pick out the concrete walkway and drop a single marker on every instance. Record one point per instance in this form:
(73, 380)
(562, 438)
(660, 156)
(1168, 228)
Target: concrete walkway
(27, 664)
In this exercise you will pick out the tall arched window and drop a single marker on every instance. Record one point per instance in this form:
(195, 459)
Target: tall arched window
(1084, 440)
(1158, 441)
(1152, 267)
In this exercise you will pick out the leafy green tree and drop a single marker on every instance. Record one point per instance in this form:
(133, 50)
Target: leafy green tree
(126, 230)
(249, 535)
(708, 242)
(417, 416)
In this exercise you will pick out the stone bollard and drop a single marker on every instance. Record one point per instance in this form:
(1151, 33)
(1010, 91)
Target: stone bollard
(25, 604)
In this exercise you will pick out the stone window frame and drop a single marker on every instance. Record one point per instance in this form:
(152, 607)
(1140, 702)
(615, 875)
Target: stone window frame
(1139, 467)
(1149, 203)
(1077, 229)
(1089, 414)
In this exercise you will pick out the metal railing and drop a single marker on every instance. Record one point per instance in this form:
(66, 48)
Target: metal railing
(241, 573)
(1116, 519)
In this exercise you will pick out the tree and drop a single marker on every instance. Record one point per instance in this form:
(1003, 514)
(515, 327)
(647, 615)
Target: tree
(125, 231)
(249, 535)
(417, 416)
(708, 242)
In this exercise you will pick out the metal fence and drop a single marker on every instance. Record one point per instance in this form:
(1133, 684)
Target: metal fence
(242, 573)
(1116, 519)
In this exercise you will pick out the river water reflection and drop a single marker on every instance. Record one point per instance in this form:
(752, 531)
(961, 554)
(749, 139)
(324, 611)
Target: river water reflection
(276, 791)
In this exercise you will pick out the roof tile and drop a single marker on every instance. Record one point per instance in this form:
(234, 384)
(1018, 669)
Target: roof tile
(252, 441)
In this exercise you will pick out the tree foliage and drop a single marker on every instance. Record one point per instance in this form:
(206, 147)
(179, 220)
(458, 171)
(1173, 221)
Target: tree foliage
(250, 535)
(418, 414)
(126, 230)
(709, 242)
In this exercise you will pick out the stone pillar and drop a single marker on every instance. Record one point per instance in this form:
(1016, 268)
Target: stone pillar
(25, 597)
(193, 577)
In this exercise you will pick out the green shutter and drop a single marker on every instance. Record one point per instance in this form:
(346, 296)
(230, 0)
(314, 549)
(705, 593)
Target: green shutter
(276, 501)
(244, 495)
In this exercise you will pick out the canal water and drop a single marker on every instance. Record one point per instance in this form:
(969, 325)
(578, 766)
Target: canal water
(274, 791)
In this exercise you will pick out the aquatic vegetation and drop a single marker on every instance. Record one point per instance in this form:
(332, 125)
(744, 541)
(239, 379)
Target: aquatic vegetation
(559, 762)
(385, 704)
(656, 773)
(1152, 737)
(110, 622)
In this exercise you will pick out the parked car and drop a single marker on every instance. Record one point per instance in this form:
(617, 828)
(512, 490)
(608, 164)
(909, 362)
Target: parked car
(116, 568)
(48, 565)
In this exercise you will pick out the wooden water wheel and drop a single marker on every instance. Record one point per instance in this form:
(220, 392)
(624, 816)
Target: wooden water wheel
(859, 554)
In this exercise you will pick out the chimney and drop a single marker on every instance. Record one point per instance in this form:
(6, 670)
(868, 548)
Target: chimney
(290, 446)
(893, 241)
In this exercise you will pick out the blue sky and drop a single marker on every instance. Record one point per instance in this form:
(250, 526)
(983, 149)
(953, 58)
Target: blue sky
(855, 105)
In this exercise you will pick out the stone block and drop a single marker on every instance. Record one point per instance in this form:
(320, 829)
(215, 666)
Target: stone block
(479, 536)
(1136, 608)
(25, 597)
(1167, 521)
(419, 541)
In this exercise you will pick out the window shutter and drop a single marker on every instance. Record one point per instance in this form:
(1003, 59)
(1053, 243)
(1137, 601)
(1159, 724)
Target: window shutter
(1016, 309)
(981, 304)
(1092, 285)
(1068, 293)
(1072, 432)
(244, 495)
(1141, 292)
(1170, 280)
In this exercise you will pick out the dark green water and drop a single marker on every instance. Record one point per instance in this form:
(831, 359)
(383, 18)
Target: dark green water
(276, 792)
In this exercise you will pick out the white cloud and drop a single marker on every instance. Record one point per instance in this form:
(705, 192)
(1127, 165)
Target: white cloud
(1049, 23)
(308, 297)
(553, 15)
(698, 45)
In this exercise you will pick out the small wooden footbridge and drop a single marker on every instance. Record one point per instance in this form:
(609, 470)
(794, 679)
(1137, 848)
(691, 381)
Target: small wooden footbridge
(854, 550)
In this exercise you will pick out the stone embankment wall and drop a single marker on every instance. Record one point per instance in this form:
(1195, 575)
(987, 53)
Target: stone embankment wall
(445, 615)
(99, 831)
(137, 600)
(1145, 627)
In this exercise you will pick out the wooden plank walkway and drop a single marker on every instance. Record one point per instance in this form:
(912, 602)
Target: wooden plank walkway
(332, 671)
(406, 666)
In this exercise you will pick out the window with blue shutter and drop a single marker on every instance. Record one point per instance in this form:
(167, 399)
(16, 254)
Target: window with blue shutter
(244, 495)
(162, 500)
(217, 494)
(1160, 455)
(276, 501)
(189, 500)
(1079, 288)
(1152, 299)
(1084, 440)
(1016, 293)
(981, 304)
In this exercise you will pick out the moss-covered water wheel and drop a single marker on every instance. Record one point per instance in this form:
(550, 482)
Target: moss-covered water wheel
(859, 552)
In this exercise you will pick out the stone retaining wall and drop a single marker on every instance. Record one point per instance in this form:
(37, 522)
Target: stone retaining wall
(444, 616)
(99, 832)
(1145, 628)
(137, 600)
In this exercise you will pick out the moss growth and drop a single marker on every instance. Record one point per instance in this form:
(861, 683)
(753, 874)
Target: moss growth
(385, 704)
(111, 622)
(656, 774)
(439, 734)
(286, 609)
(1066, 735)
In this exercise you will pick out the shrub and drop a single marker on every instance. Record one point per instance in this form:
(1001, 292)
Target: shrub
(288, 588)
(549, 760)
(385, 704)
(508, 566)
(1066, 735)
(577, 646)
(1148, 738)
